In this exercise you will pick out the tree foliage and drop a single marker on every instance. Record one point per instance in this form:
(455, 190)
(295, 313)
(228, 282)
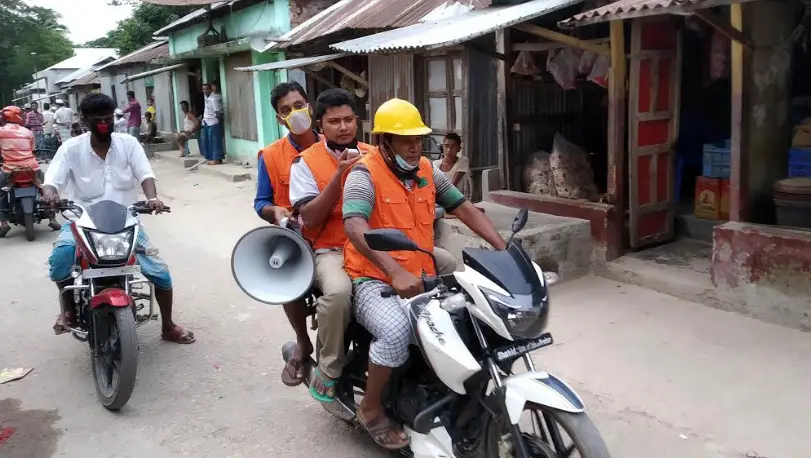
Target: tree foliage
(25, 30)
(137, 31)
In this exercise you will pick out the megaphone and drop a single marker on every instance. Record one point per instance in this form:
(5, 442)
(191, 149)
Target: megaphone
(273, 264)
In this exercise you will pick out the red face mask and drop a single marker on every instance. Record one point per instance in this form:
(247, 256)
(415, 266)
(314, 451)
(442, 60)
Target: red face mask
(102, 128)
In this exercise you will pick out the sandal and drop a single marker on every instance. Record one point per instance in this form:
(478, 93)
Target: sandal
(383, 432)
(179, 335)
(327, 383)
(293, 372)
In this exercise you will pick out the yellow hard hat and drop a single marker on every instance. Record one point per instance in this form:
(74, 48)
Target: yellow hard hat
(399, 117)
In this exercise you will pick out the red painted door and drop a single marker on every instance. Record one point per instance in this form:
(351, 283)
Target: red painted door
(653, 110)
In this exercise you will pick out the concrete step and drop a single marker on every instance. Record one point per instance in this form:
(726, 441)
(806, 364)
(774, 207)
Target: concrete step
(227, 171)
(555, 243)
(680, 269)
(152, 148)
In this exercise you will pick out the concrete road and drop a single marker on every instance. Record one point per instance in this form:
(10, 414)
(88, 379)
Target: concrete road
(663, 378)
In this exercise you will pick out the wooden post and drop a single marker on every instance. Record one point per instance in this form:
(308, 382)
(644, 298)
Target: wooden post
(738, 189)
(617, 169)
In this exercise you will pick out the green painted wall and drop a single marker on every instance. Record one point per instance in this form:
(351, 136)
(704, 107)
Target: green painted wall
(269, 17)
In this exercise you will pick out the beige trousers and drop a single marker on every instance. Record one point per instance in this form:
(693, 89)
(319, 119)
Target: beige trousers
(334, 311)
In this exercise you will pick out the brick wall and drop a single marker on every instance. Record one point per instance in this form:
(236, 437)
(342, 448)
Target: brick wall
(302, 10)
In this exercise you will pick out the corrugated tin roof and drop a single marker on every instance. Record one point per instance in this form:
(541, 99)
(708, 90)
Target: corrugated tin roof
(364, 14)
(626, 9)
(90, 78)
(85, 70)
(156, 71)
(453, 30)
(191, 17)
(83, 58)
(291, 63)
(155, 50)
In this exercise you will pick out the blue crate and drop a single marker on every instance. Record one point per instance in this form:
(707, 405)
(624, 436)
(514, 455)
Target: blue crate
(799, 171)
(717, 160)
(799, 156)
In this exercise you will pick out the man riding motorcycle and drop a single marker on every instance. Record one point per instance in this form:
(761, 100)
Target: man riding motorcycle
(272, 202)
(316, 179)
(17, 149)
(97, 166)
(395, 187)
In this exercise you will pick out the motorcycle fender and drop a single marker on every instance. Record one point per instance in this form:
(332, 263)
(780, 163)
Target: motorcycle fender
(110, 297)
(27, 204)
(539, 388)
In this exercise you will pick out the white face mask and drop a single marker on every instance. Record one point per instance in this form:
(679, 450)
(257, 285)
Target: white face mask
(298, 121)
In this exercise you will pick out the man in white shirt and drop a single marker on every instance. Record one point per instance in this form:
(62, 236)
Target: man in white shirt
(63, 119)
(48, 120)
(102, 165)
(211, 135)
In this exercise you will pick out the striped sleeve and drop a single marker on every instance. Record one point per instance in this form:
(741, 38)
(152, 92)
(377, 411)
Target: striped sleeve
(447, 195)
(359, 193)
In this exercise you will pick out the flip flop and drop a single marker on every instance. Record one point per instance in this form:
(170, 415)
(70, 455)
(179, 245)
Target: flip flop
(292, 373)
(328, 383)
(381, 429)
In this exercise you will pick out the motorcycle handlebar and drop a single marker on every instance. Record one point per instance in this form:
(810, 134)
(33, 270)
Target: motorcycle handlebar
(144, 208)
(429, 282)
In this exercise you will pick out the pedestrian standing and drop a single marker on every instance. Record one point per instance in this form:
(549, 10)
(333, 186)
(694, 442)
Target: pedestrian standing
(212, 125)
(63, 118)
(34, 122)
(134, 110)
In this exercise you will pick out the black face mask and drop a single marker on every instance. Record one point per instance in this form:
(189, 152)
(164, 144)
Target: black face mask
(336, 147)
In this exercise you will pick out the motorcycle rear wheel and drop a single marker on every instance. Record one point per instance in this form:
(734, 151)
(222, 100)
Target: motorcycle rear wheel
(28, 222)
(114, 356)
(544, 438)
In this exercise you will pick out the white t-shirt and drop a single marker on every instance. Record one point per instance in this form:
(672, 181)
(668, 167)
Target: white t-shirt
(213, 106)
(462, 165)
(64, 116)
(89, 179)
(48, 121)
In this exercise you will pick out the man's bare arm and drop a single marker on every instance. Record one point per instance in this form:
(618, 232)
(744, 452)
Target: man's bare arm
(150, 189)
(480, 224)
(316, 212)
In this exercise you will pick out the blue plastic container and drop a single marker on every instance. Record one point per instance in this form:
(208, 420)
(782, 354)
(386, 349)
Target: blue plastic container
(799, 171)
(799, 156)
(717, 159)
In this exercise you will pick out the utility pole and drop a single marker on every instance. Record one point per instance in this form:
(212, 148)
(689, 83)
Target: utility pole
(36, 74)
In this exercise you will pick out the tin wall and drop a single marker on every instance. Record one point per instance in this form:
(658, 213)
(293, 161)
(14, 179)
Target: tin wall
(390, 76)
(481, 110)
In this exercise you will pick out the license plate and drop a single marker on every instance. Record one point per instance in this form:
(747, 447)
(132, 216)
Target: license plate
(111, 271)
(518, 349)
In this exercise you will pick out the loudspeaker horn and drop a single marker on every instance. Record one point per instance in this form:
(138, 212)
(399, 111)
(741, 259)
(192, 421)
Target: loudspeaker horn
(274, 265)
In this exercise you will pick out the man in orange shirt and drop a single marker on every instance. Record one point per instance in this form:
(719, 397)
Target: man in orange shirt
(17, 149)
(395, 187)
(316, 179)
(272, 202)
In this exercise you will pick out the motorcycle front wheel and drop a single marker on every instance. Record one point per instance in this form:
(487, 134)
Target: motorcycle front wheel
(548, 433)
(28, 222)
(114, 356)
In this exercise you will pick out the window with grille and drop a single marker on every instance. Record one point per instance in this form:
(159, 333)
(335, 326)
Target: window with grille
(444, 99)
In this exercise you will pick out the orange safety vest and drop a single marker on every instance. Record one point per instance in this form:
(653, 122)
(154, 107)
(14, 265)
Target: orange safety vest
(278, 157)
(411, 212)
(323, 165)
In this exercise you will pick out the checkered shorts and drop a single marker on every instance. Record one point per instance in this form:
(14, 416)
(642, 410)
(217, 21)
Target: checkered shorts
(386, 320)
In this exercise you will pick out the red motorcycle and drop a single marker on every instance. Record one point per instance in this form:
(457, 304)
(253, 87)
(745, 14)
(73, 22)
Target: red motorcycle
(108, 293)
(23, 190)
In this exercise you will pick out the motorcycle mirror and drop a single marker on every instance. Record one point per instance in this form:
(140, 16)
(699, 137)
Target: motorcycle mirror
(520, 220)
(389, 240)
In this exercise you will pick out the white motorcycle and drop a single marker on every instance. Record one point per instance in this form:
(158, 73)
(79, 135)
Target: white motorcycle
(457, 395)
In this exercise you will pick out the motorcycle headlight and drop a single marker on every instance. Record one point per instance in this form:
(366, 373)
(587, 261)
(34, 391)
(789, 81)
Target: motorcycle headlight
(112, 247)
(524, 315)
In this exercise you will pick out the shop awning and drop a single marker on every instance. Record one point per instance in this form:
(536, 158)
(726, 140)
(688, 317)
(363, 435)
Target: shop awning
(156, 71)
(452, 30)
(291, 63)
(629, 9)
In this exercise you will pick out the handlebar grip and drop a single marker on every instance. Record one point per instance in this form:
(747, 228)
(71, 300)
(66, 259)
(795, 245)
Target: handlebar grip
(388, 292)
(429, 282)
